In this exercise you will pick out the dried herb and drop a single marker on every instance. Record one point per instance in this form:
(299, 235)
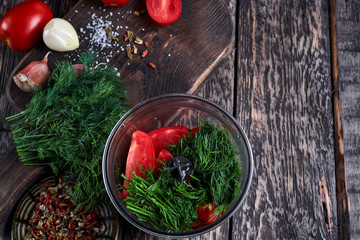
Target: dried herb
(128, 52)
(108, 30)
(129, 35)
(134, 49)
(139, 12)
(66, 125)
(138, 40)
(56, 217)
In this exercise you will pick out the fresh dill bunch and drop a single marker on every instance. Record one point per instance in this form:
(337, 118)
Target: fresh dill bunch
(171, 206)
(215, 165)
(163, 202)
(66, 125)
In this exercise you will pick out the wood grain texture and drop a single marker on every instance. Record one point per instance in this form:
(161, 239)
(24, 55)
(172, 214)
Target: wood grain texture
(348, 47)
(284, 103)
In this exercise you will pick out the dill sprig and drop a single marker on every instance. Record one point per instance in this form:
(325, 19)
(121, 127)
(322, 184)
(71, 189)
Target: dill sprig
(162, 202)
(66, 125)
(171, 206)
(214, 159)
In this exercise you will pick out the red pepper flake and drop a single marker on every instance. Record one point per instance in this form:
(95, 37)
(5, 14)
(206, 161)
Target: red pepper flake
(147, 44)
(144, 53)
(126, 38)
(152, 65)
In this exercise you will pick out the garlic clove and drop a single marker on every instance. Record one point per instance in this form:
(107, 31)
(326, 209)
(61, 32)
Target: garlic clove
(35, 74)
(78, 68)
(59, 35)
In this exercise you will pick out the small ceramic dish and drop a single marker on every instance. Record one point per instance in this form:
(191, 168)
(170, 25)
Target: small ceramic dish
(26, 206)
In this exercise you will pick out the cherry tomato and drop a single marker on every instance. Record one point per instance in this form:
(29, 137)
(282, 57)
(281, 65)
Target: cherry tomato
(115, 3)
(21, 27)
(162, 137)
(206, 212)
(164, 12)
(193, 131)
(164, 156)
(141, 154)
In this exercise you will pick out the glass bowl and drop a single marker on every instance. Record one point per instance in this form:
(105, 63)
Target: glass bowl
(170, 110)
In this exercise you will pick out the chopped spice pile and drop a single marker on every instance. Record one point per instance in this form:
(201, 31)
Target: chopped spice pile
(56, 217)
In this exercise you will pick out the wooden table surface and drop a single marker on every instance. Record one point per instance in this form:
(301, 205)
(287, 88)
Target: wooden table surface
(292, 80)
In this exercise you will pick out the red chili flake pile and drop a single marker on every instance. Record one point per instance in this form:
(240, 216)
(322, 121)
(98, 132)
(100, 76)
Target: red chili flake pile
(56, 217)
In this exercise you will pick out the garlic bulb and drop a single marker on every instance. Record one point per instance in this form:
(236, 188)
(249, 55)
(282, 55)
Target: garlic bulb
(59, 35)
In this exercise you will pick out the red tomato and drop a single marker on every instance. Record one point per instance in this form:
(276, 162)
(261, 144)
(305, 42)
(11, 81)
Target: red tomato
(206, 211)
(164, 155)
(141, 154)
(194, 130)
(21, 27)
(162, 137)
(115, 3)
(164, 12)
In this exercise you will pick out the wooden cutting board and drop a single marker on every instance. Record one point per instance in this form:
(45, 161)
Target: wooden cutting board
(184, 52)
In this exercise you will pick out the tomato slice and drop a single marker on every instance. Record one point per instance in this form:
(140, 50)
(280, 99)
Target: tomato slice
(193, 131)
(164, 12)
(164, 156)
(162, 137)
(141, 154)
(206, 212)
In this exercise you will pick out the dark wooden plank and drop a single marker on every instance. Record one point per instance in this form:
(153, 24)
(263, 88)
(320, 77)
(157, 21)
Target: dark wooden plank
(284, 102)
(348, 48)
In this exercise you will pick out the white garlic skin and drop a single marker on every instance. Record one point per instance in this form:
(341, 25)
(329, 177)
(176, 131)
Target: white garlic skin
(59, 35)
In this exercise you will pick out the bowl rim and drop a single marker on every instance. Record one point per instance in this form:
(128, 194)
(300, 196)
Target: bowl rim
(151, 230)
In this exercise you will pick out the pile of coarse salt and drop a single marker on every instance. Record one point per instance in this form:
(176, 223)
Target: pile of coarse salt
(97, 35)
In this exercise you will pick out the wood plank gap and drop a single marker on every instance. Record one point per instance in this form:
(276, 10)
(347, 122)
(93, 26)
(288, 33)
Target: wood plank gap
(341, 191)
(236, 56)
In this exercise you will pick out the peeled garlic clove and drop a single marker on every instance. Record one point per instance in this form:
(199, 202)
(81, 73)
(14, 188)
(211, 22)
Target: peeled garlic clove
(35, 74)
(59, 35)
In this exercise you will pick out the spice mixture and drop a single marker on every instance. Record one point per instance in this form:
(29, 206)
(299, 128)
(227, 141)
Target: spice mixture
(56, 217)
